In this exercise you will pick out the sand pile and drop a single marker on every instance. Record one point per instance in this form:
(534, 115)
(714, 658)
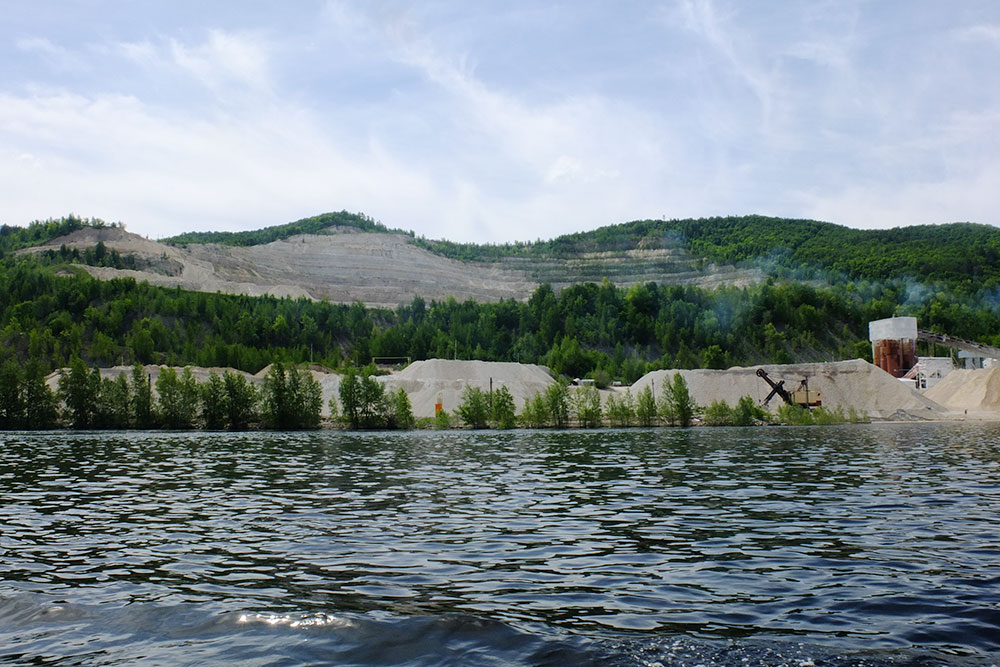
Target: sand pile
(973, 390)
(434, 380)
(843, 384)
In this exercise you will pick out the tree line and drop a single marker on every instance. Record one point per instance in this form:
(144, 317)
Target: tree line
(318, 224)
(591, 330)
(598, 330)
(289, 398)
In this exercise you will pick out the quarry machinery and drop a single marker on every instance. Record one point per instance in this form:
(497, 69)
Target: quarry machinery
(800, 396)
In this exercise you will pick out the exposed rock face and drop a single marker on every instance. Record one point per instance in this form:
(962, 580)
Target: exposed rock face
(380, 270)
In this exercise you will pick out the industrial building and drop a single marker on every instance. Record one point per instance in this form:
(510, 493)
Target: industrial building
(894, 350)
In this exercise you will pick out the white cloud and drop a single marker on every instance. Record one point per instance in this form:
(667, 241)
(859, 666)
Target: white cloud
(56, 56)
(226, 58)
(398, 111)
(989, 33)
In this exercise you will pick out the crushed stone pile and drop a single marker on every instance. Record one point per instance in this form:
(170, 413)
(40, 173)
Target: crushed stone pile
(442, 380)
(976, 390)
(846, 384)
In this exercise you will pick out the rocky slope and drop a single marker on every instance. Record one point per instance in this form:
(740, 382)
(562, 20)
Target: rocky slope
(379, 269)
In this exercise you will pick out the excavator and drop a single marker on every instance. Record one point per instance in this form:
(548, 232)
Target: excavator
(800, 396)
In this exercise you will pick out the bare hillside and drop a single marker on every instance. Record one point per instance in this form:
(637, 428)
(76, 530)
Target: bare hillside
(381, 270)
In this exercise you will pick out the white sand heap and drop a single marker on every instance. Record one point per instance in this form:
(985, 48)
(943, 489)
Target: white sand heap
(440, 380)
(843, 384)
(977, 390)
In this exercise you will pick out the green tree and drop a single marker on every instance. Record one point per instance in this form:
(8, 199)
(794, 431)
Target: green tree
(114, 403)
(334, 407)
(400, 410)
(719, 414)
(535, 413)
(748, 413)
(178, 398)
(240, 401)
(363, 399)
(190, 397)
(41, 405)
(307, 394)
(442, 421)
(474, 411)
(586, 406)
(350, 397)
(141, 342)
(621, 409)
(143, 406)
(714, 357)
(557, 403)
(79, 392)
(645, 408)
(291, 398)
(682, 404)
(665, 405)
(12, 403)
(213, 403)
(503, 410)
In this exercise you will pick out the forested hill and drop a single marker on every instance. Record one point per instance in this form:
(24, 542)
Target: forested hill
(319, 224)
(955, 254)
(52, 310)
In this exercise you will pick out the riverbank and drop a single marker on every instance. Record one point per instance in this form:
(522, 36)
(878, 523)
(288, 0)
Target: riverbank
(849, 386)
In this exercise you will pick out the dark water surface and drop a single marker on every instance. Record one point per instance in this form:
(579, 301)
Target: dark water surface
(875, 544)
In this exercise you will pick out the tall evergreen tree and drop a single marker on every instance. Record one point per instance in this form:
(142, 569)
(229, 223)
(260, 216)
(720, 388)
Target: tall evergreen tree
(240, 401)
(41, 404)
(79, 392)
(586, 404)
(143, 408)
(12, 399)
(503, 412)
(683, 405)
(213, 403)
(645, 407)
(474, 410)
(114, 410)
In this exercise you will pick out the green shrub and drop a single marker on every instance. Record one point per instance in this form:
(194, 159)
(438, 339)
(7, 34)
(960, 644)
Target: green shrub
(503, 411)
(474, 410)
(794, 415)
(442, 420)
(586, 406)
(719, 414)
(535, 413)
(557, 404)
(748, 413)
(621, 409)
(645, 407)
(400, 410)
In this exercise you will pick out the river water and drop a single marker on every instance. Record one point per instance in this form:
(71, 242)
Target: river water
(865, 544)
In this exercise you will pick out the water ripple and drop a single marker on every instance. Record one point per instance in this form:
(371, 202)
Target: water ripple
(877, 537)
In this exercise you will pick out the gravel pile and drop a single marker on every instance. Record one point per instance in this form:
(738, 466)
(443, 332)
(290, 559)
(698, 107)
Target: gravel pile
(977, 391)
(843, 384)
(442, 380)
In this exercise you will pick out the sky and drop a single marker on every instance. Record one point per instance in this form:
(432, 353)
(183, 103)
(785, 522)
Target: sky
(498, 121)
